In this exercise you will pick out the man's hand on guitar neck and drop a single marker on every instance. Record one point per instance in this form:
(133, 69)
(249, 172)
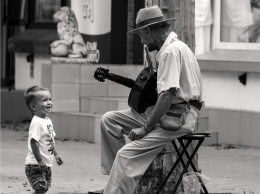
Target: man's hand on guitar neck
(137, 133)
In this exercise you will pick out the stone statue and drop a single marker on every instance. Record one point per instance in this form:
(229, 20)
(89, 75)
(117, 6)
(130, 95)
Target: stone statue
(71, 43)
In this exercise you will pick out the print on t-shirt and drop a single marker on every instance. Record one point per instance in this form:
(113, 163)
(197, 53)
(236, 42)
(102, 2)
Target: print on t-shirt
(50, 140)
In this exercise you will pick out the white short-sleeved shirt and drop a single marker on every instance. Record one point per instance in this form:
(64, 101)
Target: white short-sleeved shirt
(41, 129)
(178, 68)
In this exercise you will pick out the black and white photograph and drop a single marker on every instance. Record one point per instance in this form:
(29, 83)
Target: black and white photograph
(130, 97)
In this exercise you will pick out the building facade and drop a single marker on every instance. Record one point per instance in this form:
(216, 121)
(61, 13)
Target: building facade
(227, 46)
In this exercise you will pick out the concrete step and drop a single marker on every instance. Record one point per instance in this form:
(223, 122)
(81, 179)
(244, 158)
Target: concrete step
(13, 107)
(212, 140)
(86, 125)
(77, 126)
(202, 124)
(100, 105)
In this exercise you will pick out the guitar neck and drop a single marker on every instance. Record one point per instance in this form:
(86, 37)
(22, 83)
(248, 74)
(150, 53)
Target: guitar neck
(124, 81)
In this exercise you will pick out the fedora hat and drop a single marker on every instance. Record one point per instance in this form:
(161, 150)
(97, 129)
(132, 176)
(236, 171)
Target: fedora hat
(147, 17)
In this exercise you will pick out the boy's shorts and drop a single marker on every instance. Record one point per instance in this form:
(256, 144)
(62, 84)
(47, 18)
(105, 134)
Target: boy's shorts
(38, 179)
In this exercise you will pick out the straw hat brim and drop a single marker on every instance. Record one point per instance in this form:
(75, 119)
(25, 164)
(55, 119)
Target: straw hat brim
(136, 29)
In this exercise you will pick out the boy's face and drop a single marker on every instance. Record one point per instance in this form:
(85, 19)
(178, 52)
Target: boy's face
(42, 103)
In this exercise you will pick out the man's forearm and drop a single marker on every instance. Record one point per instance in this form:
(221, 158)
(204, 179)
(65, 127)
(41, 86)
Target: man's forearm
(162, 105)
(36, 150)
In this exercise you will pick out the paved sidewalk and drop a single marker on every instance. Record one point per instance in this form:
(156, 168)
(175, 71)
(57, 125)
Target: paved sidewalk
(233, 170)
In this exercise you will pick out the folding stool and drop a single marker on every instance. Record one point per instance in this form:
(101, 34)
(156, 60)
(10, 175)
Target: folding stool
(195, 136)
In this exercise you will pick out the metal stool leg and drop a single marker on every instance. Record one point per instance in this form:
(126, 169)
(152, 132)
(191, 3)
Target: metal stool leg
(189, 162)
(172, 169)
(189, 139)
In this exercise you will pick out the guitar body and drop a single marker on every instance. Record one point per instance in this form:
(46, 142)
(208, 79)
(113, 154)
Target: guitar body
(143, 91)
(140, 100)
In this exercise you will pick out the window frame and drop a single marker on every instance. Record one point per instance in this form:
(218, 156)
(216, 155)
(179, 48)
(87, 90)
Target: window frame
(216, 43)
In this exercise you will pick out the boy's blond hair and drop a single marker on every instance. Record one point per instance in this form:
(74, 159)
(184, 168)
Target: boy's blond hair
(29, 94)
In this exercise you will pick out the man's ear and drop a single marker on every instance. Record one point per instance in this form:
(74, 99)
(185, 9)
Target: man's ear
(147, 30)
(144, 31)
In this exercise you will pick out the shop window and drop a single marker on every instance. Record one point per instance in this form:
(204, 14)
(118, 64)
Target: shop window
(236, 24)
(41, 12)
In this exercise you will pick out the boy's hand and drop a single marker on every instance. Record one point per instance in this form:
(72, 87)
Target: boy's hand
(58, 160)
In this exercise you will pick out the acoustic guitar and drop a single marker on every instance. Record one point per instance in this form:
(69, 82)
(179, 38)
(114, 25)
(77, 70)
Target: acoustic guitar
(143, 91)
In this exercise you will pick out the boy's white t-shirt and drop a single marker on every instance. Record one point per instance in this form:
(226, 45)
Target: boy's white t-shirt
(41, 129)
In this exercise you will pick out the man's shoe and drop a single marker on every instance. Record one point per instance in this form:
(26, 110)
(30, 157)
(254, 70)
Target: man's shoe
(98, 191)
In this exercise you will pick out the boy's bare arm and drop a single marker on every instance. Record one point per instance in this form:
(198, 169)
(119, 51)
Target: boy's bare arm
(57, 157)
(36, 152)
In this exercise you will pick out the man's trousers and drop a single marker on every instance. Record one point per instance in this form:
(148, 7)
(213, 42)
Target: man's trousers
(126, 163)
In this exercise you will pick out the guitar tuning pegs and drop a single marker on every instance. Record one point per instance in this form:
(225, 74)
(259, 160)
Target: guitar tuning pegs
(101, 74)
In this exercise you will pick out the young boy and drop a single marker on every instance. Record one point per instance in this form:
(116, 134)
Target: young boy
(41, 145)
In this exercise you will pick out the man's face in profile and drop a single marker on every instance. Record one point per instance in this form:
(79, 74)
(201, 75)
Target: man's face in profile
(147, 39)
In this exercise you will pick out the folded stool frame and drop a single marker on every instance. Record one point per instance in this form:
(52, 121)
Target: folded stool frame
(195, 136)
